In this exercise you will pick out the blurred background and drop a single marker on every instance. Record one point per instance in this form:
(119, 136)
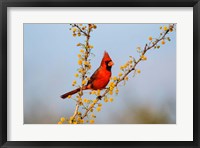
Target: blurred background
(50, 62)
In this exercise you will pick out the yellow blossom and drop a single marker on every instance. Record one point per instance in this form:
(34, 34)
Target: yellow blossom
(95, 101)
(110, 92)
(74, 29)
(98, 92)
(81, 50)
(59, 122)
(81, 70)
(111, 88)
(165, 28)
(106, 100)
(80, 120)
(126, 65)
(114, 78)
(71, 118)
(94, 26)
(126, 78)
(120, 74)
(74, 83)
(91, 105)
(79, 34)
(84, 82)
(74, 35)
(121, 67)
(93, 116)
(76, 75)
(85, 100)
(92, 121)
(80, 99)
(80, 24)
(79, 55)
(138, 48)
(89, 66)
(62, 119)
(111, 85)
(98, 109)
(93, 92)
(117, 91)
(171, 28)
(150, 38)
(69, 96)
(111, 99)
(86, 63)
(91, 46)
(79, 44)
(138, 71)
(143, 57)
(163, 42)
(130, 62)
(80, 62)
(99, 104)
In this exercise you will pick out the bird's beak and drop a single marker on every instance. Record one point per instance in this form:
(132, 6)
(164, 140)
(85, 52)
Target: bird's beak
(110, 63)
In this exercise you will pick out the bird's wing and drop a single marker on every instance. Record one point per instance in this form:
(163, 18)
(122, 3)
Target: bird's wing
(93, 77)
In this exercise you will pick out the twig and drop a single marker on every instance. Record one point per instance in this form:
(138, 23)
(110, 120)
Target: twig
(76, 111)
(74, 25)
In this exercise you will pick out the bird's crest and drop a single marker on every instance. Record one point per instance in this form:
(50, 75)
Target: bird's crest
(106, 57)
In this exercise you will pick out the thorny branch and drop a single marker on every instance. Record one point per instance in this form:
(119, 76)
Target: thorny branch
(87, 48)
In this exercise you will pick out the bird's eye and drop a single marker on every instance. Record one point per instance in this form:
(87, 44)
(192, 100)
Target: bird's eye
(110, 63)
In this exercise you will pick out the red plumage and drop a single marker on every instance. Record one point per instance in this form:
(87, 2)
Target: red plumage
(100, 77)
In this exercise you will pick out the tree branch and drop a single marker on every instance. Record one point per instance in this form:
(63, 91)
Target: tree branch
(86, 55)
(146, 48)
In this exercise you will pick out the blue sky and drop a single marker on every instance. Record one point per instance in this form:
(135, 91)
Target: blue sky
(50, 62)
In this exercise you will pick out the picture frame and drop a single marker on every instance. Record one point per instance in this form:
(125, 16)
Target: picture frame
(100, 3)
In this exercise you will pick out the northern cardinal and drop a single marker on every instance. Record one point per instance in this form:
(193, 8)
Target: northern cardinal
(100, 77)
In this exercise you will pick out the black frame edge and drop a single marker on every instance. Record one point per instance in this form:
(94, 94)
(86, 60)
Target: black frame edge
(100, 3)
(196, 80)
(4, 73)
(1, 103)
(52, 3)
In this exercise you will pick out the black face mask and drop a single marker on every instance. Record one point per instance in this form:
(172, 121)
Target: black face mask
(107, 66)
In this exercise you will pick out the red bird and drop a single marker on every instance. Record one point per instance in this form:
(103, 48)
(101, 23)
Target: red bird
(100, 77)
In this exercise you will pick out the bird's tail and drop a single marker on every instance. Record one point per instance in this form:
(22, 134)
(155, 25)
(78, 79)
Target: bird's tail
(71, 92)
